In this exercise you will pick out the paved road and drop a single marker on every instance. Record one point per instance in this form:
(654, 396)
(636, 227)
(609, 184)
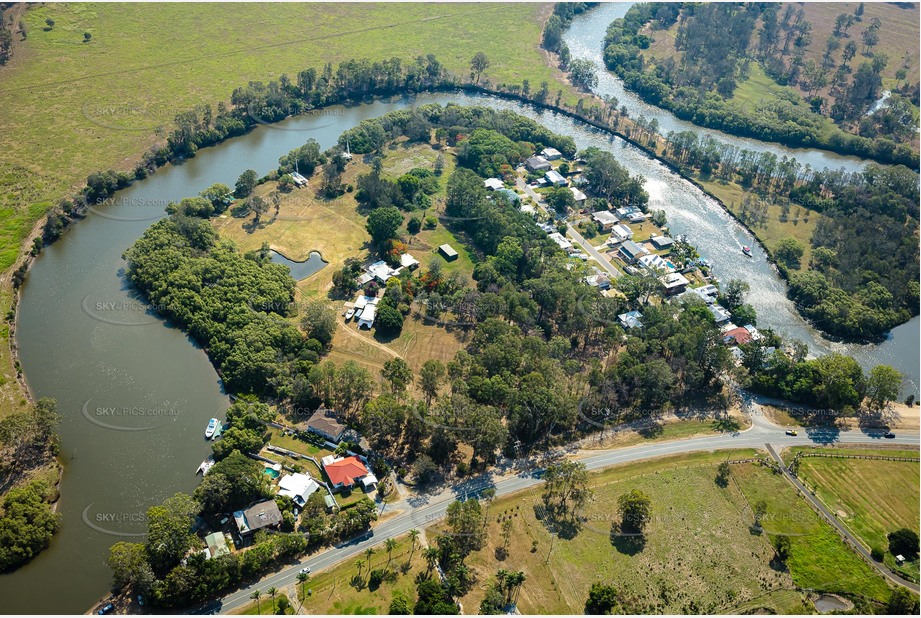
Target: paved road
(852, 540)
(428, 510)
(593, 252)
(589, 249)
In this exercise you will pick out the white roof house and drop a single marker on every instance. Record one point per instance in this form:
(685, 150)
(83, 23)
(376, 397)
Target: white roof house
(408, 261)
(381, 271)
(561, 240)
(298, 487)
(674, 282)
(493, 183)
(578, 195)
(621, 232)
(367, 316)
(528, 209)
(551, 154)
(555, 178)
(606, 218)
(655, 262)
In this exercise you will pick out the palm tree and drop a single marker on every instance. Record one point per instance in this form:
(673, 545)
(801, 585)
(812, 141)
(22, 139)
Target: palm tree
(359, 563)
(302, 578)
(390, 544)
(368, 553)
(431, 556)
(272, 592)
(413, 536)
(255, 596)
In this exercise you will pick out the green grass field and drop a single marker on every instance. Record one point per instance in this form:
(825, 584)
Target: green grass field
(819, 559)
(699, 556)
(69, 108)
(871, 497)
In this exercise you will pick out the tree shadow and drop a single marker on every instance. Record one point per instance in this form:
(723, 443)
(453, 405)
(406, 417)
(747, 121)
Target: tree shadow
(627, 542)
(653, 429)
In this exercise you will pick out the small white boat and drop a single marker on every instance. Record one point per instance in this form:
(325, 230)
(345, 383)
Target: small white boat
(205, 466)
(747, 251)
(349, 314)
(212, 427)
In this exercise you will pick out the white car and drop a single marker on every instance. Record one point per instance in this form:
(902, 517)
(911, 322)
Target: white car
(305, 571)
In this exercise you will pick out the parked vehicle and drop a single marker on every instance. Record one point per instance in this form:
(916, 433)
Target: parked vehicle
(106, 609)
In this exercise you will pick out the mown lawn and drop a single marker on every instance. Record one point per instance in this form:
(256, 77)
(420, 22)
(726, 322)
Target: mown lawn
(819, 559)
(871, 497)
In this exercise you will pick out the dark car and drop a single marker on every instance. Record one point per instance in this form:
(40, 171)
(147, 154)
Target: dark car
(106, 609)
(888, 434)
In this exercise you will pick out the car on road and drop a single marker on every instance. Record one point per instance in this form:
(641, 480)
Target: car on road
(889, 435)
(305, 571)
(106, 609)
(791, 432)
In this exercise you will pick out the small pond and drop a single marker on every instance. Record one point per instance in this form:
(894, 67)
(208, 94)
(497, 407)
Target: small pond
(300, 270)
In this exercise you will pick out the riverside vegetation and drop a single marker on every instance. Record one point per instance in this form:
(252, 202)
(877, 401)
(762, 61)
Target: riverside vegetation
(716, 47)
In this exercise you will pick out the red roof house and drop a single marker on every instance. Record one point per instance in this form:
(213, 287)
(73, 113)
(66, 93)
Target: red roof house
(737, 335)
(345, 472)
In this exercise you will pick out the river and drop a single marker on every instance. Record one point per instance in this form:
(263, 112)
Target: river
(135, 394)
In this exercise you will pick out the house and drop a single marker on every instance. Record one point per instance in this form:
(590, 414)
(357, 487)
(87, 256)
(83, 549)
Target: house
(493, 184)
(719, 314)
(625, 212)
(528, 209)
(605, 218)
(261, 515)
(298, 487)
(661, 242)
(656, 263)
(346, 472)
(367, 316)
(509, 195)
(554, 178)
(736, 336)
(325, 426)
(706, 293)
(409, 262)
(217, 545)
(636, 217)
(561, 240)
(537, 164)
(674, 283)
(578, 196)
(631, 252)
(755, 335)
(621, 232)
(551, 154)
(381, 271)
(599, 280)
(447, 252)
(631, 319)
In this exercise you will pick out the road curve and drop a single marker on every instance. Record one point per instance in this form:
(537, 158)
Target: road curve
(760, 433)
